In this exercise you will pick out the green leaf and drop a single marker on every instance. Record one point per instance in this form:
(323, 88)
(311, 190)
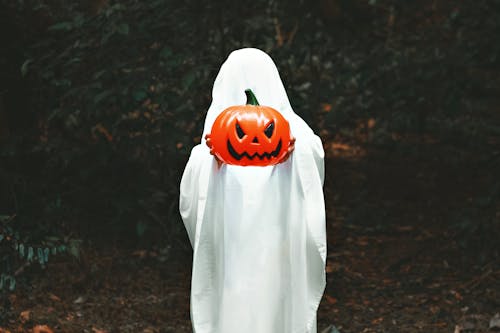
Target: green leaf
(106, 37)
(30, 254)
(139, 95)
(98, 74)
(39, 254)
(24, 67)
(79, 20)
(115, 8)
(61, 83)
(165, 52)
(65, 26)
(12, 284)
(46, 255)
(21, 250)
(47, 75)
(102, 96)
(74, 251)
(74, 247)
(140, 228)
(188, 79)
(122, 29)
(73, 60)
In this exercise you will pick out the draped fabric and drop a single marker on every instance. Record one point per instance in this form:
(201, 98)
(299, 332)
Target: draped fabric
(258, 233)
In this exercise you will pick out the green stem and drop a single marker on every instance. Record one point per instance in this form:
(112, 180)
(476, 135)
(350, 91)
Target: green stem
(251, 99)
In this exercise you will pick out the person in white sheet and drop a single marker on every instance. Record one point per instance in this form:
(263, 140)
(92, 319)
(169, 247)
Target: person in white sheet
(258, 233)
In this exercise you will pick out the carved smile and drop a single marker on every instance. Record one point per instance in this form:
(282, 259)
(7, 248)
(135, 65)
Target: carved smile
(238, 157)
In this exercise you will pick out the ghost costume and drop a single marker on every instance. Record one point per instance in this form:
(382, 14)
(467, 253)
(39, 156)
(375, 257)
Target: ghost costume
(258, 233)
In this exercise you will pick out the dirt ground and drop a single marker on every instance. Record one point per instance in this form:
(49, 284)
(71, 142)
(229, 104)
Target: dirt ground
(407, 253)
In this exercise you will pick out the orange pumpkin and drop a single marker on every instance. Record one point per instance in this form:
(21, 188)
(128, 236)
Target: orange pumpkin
(250, 134)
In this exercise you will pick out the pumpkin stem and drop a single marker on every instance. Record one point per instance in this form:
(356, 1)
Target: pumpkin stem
(251, 99)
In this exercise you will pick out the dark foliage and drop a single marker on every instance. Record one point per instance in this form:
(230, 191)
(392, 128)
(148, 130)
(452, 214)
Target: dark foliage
(101, 101)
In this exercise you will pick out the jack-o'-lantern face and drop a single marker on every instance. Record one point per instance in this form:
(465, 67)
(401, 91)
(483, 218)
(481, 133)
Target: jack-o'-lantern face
(250, 134)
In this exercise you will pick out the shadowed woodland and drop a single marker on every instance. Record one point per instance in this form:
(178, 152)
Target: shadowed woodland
(101, 102)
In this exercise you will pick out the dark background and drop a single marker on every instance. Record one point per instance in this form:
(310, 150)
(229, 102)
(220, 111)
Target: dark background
(101, 102)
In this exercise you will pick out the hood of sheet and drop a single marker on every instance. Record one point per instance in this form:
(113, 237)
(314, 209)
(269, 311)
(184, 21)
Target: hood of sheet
(258, 233)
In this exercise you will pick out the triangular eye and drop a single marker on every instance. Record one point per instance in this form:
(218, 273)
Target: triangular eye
(239, 131)
(269, 130)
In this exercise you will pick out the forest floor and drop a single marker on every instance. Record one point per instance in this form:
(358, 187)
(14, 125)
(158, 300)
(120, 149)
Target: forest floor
(405, 255)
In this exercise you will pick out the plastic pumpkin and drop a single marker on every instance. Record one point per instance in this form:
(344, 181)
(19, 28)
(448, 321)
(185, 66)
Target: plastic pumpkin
(250, 134)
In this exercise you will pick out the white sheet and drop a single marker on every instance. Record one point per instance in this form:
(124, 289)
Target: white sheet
(258, 233)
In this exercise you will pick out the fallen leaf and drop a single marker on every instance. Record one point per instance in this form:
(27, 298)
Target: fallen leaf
(330, 299)
(326, 107)
(25, 316)
(441, 324)
(42, 329)
(101, 129)
(495, 322)
(140, 253)
(80, 300)
(362, 242)
(340, 146)
(457, 295)
(404, 228)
